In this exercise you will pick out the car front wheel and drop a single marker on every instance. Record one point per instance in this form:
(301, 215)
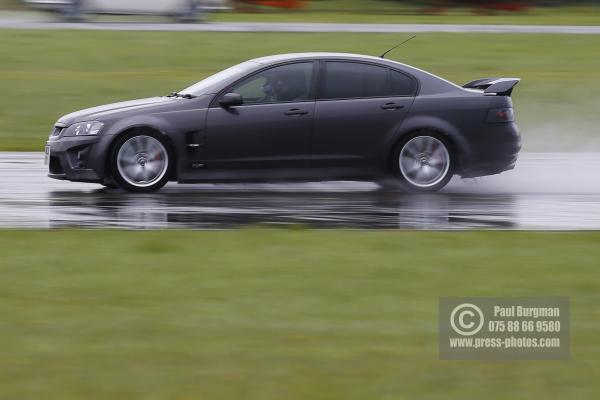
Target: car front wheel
(424, 162)
(141, 162)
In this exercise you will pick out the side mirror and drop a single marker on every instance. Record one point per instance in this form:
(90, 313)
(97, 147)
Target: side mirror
(231, 100)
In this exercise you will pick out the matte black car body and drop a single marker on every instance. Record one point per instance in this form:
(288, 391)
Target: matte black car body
(312, 139)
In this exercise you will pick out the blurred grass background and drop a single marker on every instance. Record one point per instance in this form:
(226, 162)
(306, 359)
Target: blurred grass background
(279, 314)
(46, 74)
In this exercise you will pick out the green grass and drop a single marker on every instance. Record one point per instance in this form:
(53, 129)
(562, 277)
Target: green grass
(279, 314)
(46, 74)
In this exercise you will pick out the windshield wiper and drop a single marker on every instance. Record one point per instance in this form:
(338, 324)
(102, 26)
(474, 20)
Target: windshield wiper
(183, 96)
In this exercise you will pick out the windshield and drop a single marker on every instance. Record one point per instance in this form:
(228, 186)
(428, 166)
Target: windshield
(215, 82)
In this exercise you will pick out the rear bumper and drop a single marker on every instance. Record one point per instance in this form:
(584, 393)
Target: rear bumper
(494, 150)
(79, 159)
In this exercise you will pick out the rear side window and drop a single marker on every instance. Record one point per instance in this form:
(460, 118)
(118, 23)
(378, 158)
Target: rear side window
(402, 85)
(347, 80)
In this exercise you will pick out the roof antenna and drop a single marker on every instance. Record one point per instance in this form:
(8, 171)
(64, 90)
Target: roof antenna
(398, 45)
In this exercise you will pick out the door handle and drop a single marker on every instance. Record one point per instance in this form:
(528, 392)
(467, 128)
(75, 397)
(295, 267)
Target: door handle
(392, 106)
(296, 111)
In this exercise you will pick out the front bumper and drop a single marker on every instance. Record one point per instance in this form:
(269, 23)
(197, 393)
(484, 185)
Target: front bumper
(79, 159)
(493, 150)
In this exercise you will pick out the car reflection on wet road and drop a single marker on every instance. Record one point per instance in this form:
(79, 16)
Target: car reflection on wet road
(545, 191)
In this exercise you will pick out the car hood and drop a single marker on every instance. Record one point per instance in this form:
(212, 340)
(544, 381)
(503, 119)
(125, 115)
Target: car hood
(109, 110)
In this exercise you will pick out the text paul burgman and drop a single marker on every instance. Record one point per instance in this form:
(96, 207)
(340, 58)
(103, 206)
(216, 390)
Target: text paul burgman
(528, 312)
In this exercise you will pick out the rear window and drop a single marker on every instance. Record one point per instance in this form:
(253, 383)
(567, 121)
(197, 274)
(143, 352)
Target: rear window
(346, 80)
(402, 85)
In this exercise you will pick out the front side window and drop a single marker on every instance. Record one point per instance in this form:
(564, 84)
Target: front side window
(285, 83)
(347, 80)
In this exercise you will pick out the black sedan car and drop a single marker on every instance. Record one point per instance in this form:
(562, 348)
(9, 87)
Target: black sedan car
(309, 116)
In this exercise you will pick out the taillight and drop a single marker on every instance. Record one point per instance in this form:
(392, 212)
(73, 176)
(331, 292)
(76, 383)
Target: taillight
(496, 115)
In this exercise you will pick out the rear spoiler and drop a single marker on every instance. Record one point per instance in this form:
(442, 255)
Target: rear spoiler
(494, 86)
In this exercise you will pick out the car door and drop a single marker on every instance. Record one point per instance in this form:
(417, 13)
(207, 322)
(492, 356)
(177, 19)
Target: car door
(271, 129)
(359, 107)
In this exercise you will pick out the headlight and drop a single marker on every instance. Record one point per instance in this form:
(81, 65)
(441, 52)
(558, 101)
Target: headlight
(84, 128)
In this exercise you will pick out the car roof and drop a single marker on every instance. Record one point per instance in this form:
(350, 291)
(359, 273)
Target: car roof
(316, 55)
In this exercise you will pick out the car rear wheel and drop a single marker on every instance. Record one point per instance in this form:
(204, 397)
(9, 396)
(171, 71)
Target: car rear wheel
(141, 162)
(424, 162)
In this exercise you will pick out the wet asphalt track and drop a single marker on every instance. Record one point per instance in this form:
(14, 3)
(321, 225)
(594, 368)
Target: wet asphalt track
(545, 191)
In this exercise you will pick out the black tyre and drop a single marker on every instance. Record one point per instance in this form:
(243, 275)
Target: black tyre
(141, 162)
(423, 162)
